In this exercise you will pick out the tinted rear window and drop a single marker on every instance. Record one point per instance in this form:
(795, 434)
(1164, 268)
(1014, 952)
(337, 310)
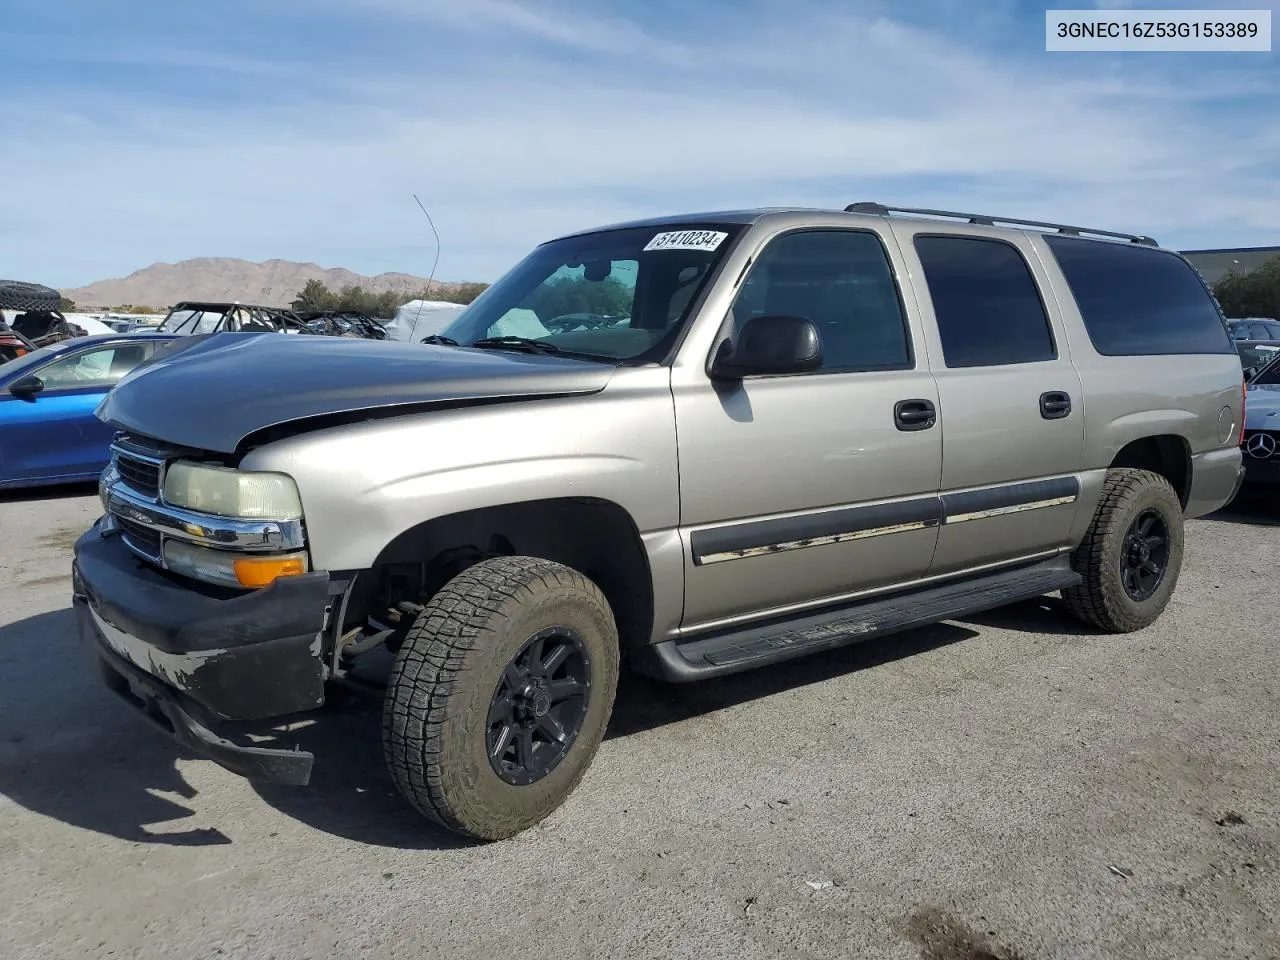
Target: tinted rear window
(986, 302)
(1138, 301)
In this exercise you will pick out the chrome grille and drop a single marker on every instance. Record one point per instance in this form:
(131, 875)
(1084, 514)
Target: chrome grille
(138, 465)
(141, 475)
(141, 540)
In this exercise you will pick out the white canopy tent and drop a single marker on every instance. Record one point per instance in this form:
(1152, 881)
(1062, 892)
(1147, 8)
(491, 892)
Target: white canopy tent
(91, 323)
(421, 318)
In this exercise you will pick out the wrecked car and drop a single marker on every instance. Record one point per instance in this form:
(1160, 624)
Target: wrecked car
(195, 317)
(32, 311)
(687, 446)
(343, 323)
(13, 344)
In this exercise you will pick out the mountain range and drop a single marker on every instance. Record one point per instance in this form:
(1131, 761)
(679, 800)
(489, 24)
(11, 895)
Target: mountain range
(272, 283)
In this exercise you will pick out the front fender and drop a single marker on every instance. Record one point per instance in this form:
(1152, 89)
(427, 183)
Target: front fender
(364, 484)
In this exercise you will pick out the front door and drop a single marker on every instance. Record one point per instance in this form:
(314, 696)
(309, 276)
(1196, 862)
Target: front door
(1011, 400)
(54, 434)
(803, 489)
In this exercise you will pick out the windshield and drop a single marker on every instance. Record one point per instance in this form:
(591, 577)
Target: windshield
(617, 295)
(1270, 375)
(1257, 355)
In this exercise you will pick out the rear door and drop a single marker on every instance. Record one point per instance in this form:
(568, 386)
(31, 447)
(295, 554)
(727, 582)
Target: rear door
(1010, 399)
(55, 434)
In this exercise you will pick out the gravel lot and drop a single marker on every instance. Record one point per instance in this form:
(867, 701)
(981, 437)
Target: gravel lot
(1008, 784)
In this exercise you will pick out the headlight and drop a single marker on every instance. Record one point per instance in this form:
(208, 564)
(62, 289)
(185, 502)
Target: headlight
(232, 493)
(231, 569)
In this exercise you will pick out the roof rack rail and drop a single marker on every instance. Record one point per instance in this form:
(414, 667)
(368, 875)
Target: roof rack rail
(880, 210)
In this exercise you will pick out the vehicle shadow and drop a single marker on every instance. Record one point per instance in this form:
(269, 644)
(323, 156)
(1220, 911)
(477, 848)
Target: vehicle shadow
(71, 751)
(1041, 615)
(644, 704)
(351, 794)
(57, 491)
(1251, 507)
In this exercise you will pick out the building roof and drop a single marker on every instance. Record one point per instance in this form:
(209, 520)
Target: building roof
(1216, 264)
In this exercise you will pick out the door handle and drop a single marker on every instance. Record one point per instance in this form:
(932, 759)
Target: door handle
(1055, 405)
(914, 414)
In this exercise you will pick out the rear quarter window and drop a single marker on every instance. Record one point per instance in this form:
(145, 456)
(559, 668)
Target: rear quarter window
(1139, 301)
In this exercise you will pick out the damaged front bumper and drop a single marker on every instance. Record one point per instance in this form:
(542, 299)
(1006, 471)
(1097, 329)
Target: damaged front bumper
(191, 657)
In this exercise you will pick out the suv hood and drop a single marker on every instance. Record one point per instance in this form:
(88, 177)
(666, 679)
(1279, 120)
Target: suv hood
(1262, 407)
(217, 390)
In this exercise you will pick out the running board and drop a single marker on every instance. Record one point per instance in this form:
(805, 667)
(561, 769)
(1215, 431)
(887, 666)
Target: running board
(681, 661)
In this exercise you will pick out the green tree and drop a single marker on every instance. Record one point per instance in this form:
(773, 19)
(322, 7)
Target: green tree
(454, 293)
(66, 305)
(466, 292)
(607, 298)
(1252, 294)
(315, 296)
(360, 300)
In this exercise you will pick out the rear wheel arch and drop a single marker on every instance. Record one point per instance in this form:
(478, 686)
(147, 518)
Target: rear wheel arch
(1168, 455)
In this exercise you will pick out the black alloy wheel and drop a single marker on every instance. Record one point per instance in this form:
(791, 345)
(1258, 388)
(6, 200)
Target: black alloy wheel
(539, 705)
(1144, 557)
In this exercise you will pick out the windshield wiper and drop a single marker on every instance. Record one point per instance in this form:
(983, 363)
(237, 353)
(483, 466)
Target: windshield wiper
(527, 344)
(440, 339)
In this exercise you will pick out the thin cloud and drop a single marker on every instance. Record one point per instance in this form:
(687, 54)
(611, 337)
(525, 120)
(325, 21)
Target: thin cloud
(511, 142)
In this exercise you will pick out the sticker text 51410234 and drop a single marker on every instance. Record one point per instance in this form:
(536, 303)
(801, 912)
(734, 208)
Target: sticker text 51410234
(687, 240)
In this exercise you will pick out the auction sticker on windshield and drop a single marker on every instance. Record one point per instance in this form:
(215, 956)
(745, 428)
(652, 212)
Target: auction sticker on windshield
(687, 240)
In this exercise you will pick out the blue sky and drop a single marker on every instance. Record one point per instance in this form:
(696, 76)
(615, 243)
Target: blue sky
(150, 130)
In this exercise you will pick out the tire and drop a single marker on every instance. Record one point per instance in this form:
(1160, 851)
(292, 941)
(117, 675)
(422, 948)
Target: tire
(1105, 600)
(455, 664)
(17, 295)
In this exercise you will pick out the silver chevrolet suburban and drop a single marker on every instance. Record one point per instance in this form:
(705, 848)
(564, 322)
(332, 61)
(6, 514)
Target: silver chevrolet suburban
(693, 445)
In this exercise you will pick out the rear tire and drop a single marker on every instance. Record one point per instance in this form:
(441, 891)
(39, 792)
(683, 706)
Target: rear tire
(516, 657)
(1132, 554)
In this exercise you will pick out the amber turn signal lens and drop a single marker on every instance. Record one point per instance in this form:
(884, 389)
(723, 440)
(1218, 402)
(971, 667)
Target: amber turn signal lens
(263, 571)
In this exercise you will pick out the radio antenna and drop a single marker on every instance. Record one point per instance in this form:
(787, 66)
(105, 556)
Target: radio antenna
(432, 276)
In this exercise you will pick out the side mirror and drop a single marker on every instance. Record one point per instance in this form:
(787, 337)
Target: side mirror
(770, 345)
(26, 388)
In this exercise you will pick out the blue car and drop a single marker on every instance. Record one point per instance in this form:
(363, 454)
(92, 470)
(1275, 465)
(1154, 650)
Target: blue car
(48, 433)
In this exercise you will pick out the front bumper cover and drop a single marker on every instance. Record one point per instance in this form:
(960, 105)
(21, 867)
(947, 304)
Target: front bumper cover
(192, 656)
(168, 711)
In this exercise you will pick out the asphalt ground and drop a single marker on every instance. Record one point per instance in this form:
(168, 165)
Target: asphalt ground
(1011, 785)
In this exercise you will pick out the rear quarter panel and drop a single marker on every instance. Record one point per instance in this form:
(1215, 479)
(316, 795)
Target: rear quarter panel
(1196, 397)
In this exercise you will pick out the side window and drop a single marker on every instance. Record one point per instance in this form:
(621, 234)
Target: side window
(1259, 331)
(842, 281)
(986, 302)
(1240, 331)
(93, 368)
(1139, 301)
